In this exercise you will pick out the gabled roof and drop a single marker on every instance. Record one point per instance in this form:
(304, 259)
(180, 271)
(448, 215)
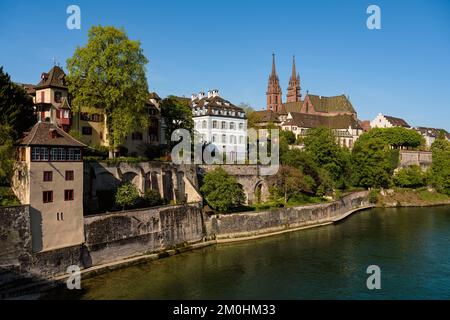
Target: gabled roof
(397, 122)
(54, 78)
(65, 104)
(154, 95)
(293, 106)
(331, 104)
(305, 120)
(267, 116)
(216, 102)
(47, 134)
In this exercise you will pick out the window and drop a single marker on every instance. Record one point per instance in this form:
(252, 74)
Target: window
(58, 154)
(224, 138)
(136, 136)
(68, 195)
(47, 196)
(224, 125)
(48, 176)
(215, 124)
(241, 140)
(204, 124)
(58, 96)
(42, 96)
(241, 126)
(39, 154)
(87, 131)
(60, 216)
(69, 175)
(214, 138)
(74, 154)
(232, 126)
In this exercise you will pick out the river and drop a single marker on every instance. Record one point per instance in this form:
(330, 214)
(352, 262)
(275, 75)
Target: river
(410, 245)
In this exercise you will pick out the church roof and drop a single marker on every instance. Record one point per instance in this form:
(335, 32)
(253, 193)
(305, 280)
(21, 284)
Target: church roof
(305, 120)
(397, 122)
(47, 134)
(54, 78)
(292, 106)
(267, 116)
(331, 104)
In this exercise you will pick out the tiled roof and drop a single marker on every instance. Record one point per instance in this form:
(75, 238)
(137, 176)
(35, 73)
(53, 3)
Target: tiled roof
(397, 122)
(331, 104)
(432, 132)
(216, 102)
(365, 124)
(54, 78)
(293, 106)
(305, 120)
(154, 95)
(47, 134)
(267, 116)
(29, 88)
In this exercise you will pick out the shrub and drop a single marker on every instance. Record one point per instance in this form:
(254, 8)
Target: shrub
(152, 198)
(127, 195)
(373, 196)
(410, 177)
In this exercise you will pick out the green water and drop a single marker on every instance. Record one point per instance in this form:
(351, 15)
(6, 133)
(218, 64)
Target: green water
(410, 245)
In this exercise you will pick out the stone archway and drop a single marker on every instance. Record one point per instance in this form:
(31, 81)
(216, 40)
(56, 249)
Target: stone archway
(258, 192)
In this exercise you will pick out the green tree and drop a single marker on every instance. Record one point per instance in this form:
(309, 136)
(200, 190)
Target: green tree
(177, 114)
(410, 177)
(322, 147)
(288, 182)
(6, 154)
(108, 74)
(127, 195)
(372, 163)
(288, 135)
(16, 107)
(398, 137)
(152, 198)
(221, 191)
(439, 173)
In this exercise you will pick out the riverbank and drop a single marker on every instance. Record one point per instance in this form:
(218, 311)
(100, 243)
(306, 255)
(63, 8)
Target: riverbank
(422, 197)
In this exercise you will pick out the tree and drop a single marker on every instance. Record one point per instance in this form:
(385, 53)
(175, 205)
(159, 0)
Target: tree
(288, 182)
(16, 106)
(252, 116)
(177, 114)
(321, 146)
(372, 163)
(398, 137)
(152, 198)
(288, 135)
(221, 191)
(439, 173)
(127, 195)
(410, 177)
(108, 74)
(6, 154)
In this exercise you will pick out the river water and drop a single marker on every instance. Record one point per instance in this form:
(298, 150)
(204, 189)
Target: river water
(410, 245)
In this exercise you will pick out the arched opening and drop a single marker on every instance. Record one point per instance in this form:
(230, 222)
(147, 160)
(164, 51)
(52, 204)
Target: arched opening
(258, 192)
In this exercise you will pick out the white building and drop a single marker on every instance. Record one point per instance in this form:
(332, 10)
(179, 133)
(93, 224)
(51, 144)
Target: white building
(220, 123)
(383, 121)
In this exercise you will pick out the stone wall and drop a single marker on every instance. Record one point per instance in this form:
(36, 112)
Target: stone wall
(15, 234)
(249, 224)
(418, 158)
(125, 234)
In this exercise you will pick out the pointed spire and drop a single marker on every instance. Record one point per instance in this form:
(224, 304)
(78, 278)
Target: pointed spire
(274, 71)
(293, 68)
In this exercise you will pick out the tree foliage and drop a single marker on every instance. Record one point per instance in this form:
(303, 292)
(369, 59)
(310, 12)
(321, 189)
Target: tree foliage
(108, 74)
(288, 182)
(222, 191)
(6, 154)
(16, 107)
(410, 177)
(439, 174)
(127, 195)
(398, 137)
(177, 114)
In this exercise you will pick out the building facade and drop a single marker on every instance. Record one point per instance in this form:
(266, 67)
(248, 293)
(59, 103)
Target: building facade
(49, 178)
(220, 123)
(383, 121)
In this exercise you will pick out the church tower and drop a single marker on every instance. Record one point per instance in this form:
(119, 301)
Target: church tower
(293, 93)
(273, 93)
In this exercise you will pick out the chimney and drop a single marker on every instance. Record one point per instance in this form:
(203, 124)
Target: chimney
(210, 94)
(201, 95)
(215, 93)
(193, 97)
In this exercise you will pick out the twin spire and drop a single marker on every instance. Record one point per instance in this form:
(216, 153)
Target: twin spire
(274, 90)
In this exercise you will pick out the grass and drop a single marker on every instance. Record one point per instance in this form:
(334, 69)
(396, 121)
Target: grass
(7, 197)
(419, 197)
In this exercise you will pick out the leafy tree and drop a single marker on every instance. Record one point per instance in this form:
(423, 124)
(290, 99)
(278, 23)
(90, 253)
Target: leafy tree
(372, 163)
(6, 154)
(177, 114)
(222, 192)
(152, 198)
(16, 106)
(439, 174)
(410, 177)
(398, 137)
(288, 182)
(108, 74)
(288, 135)
(322, 147)
(127, 195)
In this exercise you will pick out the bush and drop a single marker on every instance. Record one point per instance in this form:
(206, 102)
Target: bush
(152, 198)
(373, 196)
(7, 197)
(127, 195)
(410, 177)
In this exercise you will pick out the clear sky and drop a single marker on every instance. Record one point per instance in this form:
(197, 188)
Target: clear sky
(401, 70)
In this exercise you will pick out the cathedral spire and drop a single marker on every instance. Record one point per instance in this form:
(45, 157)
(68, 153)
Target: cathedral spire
(293, 93)
(274, 95)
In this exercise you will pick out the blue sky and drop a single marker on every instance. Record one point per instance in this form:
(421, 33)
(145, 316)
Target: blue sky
(401, 70)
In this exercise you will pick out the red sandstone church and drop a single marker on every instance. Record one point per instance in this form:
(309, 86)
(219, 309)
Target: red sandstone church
(299, 115)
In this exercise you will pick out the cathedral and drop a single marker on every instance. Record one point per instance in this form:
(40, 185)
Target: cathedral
(299, 115)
